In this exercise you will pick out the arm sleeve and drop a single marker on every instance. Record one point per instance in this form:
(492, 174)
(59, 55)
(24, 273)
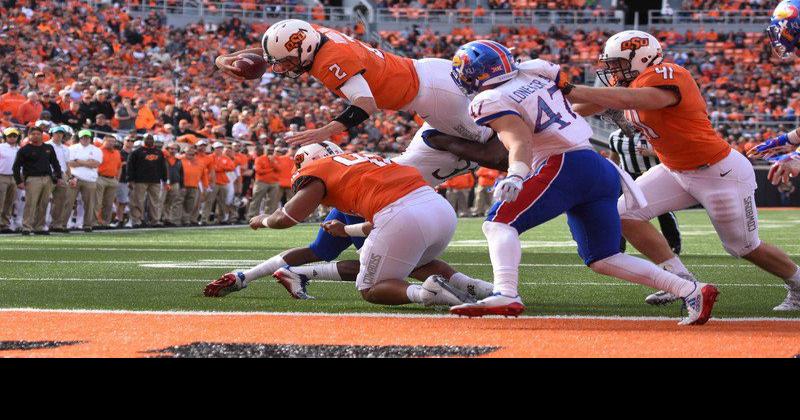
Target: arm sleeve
(337, 67)
(490, 105)
(16, 168)
(54, 164)
(356, 87)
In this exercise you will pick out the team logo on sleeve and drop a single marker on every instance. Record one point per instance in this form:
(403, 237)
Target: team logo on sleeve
(295, 40)
(634, 44)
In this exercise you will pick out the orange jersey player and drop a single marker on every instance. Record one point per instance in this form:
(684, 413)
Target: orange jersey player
(408, 223)
(370, 79)
(697, 165)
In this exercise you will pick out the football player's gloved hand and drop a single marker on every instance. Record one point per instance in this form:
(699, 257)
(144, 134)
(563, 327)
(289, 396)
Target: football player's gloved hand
(508, 189)
(771, 147)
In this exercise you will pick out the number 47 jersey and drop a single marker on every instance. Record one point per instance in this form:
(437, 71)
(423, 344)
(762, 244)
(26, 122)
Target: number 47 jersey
(538, 101)
(358, 183)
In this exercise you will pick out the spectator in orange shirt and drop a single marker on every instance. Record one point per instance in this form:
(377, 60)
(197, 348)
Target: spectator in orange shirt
(266, 187)
(108, 173)
(193, 170)
(457, 191)
(30, 110)
(285, 160)
(483, 196)
(219, 191)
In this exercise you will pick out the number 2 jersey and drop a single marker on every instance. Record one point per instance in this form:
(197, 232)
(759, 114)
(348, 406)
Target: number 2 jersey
(359, 184)
(538, 101)
(392, 79)
(681, 135)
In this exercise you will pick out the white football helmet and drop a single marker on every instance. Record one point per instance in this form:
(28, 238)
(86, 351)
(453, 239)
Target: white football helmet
(312, 152)
(289, 46)
(626, 55)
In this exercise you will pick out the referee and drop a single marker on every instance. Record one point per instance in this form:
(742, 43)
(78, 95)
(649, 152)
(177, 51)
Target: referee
(636, 157)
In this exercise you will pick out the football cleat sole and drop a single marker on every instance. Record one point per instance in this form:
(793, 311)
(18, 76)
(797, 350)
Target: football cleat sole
(221, 287)
(286, 282)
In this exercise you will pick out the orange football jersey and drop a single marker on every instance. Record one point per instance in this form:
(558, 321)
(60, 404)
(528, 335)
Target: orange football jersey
(360, 184)
(393, 80)
(681, 135)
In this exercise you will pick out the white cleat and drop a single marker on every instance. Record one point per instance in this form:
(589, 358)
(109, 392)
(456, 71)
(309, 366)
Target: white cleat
(699, 304)
(496, 304)
(792, 301)
(435, 292)
(294, 283)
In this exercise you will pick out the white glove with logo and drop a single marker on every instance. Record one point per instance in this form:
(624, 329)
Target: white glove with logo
(508, 189)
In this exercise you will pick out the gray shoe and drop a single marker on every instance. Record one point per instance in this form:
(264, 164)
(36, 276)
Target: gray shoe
(461, 295)
(792, 301)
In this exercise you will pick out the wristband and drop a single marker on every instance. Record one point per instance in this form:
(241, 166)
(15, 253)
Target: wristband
(356, 230)
(352, 116)
(285, 213)
(567, 88)
(519, 169)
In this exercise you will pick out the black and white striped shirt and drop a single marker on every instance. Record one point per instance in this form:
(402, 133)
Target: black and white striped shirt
(632, 162)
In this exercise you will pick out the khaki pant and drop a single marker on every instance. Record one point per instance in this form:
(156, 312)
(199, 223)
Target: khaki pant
(459, 199)
(188, 204)
(172, 203)
(106, 191)
(483, 200)
(138, 192)
(88, 192)
(58, 207)
(8, 195)
(218, 194)
(37, 196)
(264, 191)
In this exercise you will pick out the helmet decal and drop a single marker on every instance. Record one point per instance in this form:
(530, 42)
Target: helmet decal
(295, 40)
(634, 44)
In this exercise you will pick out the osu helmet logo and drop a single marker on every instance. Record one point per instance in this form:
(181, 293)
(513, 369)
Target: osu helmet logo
(151, 157)
(634, 44)
(295, 40)
(298, 159)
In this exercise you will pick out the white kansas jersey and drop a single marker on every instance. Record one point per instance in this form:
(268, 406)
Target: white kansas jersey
(538, 101)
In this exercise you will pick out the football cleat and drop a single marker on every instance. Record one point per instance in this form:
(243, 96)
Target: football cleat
(699, 304)
(294, 283)
(495, 304)
(792, 301)
(436, 291)
(228, 283)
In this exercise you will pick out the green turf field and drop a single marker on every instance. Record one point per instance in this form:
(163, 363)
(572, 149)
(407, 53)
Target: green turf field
(166, 269)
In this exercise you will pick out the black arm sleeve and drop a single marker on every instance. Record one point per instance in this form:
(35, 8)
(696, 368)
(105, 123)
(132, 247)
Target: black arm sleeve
(54, 164)
(493, 154)
(16, 168)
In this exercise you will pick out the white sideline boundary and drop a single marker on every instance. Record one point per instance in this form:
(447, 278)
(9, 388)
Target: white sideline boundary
(372, 315)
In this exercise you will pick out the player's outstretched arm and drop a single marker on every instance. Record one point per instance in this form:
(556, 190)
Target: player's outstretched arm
(362, 106)
(622, 98)
(302, 204)
(493, 154)
(776, 146)
(785, 169)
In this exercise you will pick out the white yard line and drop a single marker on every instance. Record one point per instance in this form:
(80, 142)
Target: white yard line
(368, 315)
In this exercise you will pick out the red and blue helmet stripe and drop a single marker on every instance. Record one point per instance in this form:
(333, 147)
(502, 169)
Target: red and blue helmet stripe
(784, 29)
(482, 62)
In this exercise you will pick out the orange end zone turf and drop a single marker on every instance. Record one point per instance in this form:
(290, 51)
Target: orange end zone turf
(131, 334)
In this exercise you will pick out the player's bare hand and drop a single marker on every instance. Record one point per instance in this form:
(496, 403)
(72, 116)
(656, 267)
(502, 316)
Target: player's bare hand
(225, 64)
(256, 222)
(335, 228)
(644, 151)
(783, 171)
(316, 135)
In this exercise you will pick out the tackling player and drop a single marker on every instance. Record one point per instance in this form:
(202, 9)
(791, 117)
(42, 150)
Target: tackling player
(784, 33)
(552, 170)
(412, 223)
(697, 165)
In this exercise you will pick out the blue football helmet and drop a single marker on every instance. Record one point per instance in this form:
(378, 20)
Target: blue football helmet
(784, 29)
(482, 62)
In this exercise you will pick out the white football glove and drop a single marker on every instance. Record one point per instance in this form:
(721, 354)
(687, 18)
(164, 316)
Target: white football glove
(508, 189)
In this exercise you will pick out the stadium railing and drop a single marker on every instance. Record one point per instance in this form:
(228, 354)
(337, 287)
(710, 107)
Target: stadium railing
(203, 9)
(693, 17)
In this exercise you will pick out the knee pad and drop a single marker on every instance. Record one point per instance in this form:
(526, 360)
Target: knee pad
(740, 250)
(723, 207)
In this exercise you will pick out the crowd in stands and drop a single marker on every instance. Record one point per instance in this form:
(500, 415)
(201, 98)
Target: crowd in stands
(64, 63)
(728, 5)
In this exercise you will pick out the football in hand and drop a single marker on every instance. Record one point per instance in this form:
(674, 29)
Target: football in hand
(251, 66)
